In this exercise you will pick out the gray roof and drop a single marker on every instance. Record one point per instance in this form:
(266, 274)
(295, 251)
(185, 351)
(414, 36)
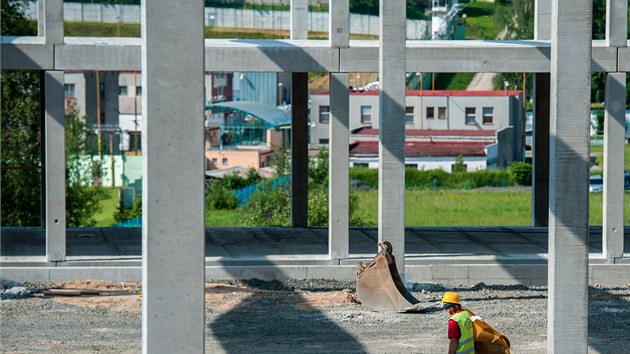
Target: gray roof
(271, 115)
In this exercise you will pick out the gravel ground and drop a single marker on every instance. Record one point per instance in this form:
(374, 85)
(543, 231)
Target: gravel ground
(314, 316)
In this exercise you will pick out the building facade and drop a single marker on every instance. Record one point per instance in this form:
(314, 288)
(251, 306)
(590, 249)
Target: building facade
(428, 110)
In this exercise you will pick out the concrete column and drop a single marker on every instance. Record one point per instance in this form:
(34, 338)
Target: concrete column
(567, 324)
(339, 23)
(540, 138)
(614, 139)
(338, 208)
(50, 20)
(391, 183)
(542, 19)
(173, 241)
(299, 149)
(540, 151)
(616, 23)
(55, 167)
(299, 19)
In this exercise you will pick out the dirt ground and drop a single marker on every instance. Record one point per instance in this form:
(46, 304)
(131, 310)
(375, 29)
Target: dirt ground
(315, 316)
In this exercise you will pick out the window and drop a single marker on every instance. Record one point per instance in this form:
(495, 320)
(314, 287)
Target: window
(488, 115)
(122, 91)
(408, 115)
(366, 114)
(224, 161)
(430, 112)
(470, 115)
(324, 114)
(411, 165)
(360, 164)
(215, 161)
(68, 90)
(441, 112)
(323, 141)
(102, 89)
(138, 90)
(135, 141)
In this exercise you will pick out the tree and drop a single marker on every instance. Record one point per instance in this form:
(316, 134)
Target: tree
(21, 148)
(21, 144)
(82, 199)
(517, 19)
(14, 23)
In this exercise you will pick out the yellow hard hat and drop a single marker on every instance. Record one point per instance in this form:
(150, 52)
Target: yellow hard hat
(451, 298)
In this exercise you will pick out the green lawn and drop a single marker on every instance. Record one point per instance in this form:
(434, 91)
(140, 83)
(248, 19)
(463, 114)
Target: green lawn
(109, 205)
(475, 207)
(600, 159)
(480, 22)
(224, 217)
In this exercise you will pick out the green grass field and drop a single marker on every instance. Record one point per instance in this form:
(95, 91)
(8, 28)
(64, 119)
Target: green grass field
(109, 206)
(480, 22)
(597, 149)
(474, 207)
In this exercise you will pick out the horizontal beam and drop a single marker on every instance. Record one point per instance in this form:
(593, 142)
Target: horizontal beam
(111, 53)
(449, 273)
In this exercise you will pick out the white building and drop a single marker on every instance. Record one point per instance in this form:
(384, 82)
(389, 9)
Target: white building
(457, 111)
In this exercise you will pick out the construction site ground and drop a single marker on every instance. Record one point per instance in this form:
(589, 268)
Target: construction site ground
(306, 316)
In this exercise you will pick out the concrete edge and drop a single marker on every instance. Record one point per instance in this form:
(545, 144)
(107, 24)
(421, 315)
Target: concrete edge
(447, 275)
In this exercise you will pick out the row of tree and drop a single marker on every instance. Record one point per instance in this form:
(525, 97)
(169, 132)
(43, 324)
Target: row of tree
(518, 20)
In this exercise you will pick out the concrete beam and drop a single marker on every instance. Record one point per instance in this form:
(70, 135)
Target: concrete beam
(338, 194)
(299, 149)
(616, 23)
(391, 153)
(448, 274)
(614, 141)
(299, 19)
(271, 55)
(55, 167)
(540, 152)
(99, 54)
(567, 326)
(471, 56)
(173, 242)
(27, 53)
(339, 25)
(90, 53)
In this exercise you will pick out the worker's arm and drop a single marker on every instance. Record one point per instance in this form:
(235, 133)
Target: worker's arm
(452, 346)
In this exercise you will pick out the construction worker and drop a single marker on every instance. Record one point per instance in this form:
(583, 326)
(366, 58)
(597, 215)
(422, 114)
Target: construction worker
(460, 326)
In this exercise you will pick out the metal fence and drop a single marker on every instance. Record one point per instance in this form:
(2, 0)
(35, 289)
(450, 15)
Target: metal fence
(229, 17)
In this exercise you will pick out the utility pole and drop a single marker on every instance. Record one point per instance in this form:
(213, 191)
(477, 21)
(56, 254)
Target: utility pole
(98, 113)
(111, 156)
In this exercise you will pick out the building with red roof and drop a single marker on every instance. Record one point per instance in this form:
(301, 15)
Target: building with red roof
(485, 128)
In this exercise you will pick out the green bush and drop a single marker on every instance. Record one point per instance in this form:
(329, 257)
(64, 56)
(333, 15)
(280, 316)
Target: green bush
(123, 214)
(425, 179)
(428, 179)
(269, 207)
(521, 173)
(367, 176)
(219, 196)
(272, 207)
(481, 178)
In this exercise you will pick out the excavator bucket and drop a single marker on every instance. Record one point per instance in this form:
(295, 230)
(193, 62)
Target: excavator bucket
(379, 286)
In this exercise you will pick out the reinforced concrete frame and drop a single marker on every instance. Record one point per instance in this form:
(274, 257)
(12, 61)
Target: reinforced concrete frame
(562, 56)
